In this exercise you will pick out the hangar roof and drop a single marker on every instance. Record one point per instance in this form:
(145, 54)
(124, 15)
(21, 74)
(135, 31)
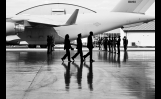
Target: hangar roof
(144, 27)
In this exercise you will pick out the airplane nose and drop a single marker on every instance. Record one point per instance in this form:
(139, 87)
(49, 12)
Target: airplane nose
(10, 28)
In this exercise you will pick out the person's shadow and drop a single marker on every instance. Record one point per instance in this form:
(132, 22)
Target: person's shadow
(125, 56)
(118, 60)
(90, 76)
(79, 74)
(67, 75)
(49, 61)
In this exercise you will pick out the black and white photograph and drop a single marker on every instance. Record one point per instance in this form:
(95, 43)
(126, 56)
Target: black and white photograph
(80, 49)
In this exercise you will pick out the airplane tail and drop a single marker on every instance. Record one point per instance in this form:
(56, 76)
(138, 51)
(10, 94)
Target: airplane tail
(73, 18)
(133, 6)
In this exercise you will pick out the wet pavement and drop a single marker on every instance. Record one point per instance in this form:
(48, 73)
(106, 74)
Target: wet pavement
(36, 75)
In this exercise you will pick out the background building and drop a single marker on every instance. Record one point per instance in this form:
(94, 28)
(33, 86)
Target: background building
(142, 35)
(138, 36)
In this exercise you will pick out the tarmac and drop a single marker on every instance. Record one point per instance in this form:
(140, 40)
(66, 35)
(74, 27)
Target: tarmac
(32, 74)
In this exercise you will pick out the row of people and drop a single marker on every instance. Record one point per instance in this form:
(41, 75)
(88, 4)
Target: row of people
(112, 42)
(67, 47)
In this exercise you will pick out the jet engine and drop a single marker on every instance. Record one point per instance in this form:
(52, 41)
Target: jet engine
(14, 28)
(12, 42)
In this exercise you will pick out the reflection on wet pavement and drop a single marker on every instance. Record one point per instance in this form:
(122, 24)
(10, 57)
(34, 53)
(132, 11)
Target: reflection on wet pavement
(36, 75)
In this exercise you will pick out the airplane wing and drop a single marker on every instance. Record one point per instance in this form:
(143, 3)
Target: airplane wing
(132, 25)
(43, 20)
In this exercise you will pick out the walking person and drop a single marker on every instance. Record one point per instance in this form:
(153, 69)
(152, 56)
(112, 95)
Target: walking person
(90, 47)
(79, 48)
(118, 44)
(125, 43)
(67, 46)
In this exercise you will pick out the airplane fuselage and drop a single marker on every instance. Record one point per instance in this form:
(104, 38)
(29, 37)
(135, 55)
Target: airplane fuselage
(95, 22)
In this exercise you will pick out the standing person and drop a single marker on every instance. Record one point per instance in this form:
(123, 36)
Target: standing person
(105, 44)
(114, 44)
(125, 43)
(52, 43)
(118, 44)
(48, 44)
(109, 44)
(67, 46)
(79, 48)
(99, 43)
(90, 47)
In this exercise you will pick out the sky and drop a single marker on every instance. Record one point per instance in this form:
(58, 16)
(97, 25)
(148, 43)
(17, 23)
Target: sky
(15, 6)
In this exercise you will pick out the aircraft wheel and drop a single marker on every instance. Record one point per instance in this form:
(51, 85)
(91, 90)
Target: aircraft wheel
(43, 46)
(31, 46)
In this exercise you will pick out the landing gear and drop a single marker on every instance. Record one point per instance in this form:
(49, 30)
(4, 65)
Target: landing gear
(43, 46)
(31, 46)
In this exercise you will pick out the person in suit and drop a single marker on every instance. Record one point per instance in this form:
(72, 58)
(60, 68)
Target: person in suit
(52, 43)
(67, 46)
(125, 43)
(109, 44)
(48, 45)
(118, 44)
(89, 46)
(105, 43)
(114, 44)
(79, 48)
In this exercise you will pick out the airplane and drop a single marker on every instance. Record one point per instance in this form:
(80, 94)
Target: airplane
(32, 30)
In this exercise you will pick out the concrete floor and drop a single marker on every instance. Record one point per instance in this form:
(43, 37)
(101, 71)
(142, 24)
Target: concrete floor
(36, 75)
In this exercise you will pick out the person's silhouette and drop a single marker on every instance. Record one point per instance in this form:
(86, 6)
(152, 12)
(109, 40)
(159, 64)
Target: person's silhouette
(67, 75)
(109, 44)
(118, 45)
(67, 46)
(90, 47)
(48, 44)
(114, 44)
(118, 60)
(125, 43)
(79, 48)
(105, 43)
(79, 74)
(90, 76)
(125, 56)
(49, 59)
